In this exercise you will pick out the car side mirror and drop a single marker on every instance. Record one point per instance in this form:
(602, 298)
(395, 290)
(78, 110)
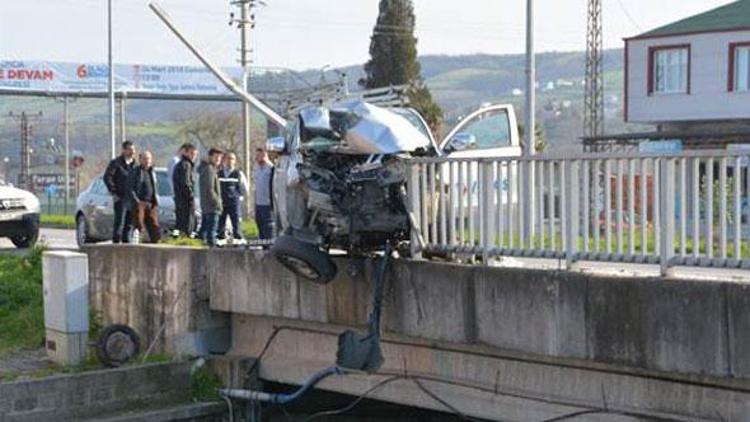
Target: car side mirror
(461, 141)
(277, 145)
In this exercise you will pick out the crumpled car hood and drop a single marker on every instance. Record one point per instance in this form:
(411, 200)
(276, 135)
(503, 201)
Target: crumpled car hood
(367, 129)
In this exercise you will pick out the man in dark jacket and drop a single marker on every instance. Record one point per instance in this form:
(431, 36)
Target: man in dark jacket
(117, 178)
(145, 194)
(184, 192)
(210, 192)
(234, 188)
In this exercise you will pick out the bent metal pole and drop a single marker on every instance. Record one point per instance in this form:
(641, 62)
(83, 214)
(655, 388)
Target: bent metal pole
(110, 82)
(220, 74)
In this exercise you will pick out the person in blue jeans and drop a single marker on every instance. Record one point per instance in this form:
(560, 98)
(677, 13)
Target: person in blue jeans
(233, 190)
(263, 191)
(210, 194)
(117, 180)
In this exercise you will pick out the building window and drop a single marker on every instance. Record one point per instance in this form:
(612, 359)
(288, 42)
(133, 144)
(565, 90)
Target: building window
(670, 70)
(739, 67)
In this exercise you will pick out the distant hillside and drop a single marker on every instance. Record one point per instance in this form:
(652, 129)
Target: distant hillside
(462, 83)
(459, 83)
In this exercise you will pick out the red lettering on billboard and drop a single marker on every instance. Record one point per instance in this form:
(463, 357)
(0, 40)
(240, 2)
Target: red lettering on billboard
(30, 74)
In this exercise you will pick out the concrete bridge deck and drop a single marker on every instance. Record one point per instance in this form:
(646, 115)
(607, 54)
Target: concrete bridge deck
(496, 343)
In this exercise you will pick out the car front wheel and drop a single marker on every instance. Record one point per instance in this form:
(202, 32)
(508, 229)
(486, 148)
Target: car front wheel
(26, 241)
(304, 259)
(82, 236)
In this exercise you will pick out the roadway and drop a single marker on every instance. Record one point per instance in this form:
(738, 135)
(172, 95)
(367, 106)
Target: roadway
(65, 239)
(52, 238)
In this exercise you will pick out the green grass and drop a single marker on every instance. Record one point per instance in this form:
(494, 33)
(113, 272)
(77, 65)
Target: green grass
(203, 385)
(250, 229)
(183, 241)
(58, 221)
(555, 243)
(21, 302)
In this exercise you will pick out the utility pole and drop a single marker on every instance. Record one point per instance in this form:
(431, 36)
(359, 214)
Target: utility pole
(25, 174)
(111, 82)
(123, 103)
(529, 134)
(593, 113)
(245, 23)
(66, 134)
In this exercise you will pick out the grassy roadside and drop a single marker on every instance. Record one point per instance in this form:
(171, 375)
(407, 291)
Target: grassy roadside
(21, 301)
(55, 221)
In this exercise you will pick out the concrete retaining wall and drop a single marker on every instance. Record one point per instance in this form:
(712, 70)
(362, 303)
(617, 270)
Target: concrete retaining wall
(162, 293)
(72, 397)
(669, 326)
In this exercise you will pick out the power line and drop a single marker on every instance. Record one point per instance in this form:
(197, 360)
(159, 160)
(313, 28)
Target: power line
(629, 16)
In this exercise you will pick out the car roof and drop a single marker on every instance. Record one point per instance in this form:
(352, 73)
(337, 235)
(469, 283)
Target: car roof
(156, 169)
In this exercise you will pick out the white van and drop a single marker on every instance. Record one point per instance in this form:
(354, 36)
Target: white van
(19, 216)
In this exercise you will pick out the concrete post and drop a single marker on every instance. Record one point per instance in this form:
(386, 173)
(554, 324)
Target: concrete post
(66, 306)
(415, 210)
(666, 198)
(487, 203)
(573, 186)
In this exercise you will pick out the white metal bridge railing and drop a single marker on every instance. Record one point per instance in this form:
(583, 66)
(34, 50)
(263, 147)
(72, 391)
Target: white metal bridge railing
(691, 208)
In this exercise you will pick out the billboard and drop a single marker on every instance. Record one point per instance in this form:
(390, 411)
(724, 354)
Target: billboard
(83, 78)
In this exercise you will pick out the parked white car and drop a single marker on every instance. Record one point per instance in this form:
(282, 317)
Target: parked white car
(19, 216)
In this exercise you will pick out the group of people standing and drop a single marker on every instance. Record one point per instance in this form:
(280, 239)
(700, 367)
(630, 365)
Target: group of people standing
(135, 194)
(220, 190)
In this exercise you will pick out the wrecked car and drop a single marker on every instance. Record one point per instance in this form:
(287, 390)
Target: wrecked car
(340, 182)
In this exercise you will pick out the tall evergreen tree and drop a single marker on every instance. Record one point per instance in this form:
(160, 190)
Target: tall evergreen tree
(393, 58)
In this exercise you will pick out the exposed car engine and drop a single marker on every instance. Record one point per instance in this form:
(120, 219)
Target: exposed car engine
(349, 192)
(354, 201)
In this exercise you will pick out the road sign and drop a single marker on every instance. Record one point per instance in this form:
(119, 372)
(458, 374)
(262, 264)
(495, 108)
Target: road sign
(40, 182)
(660, 147)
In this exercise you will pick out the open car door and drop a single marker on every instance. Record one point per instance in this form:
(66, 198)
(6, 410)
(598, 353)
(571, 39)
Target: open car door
(490, 132)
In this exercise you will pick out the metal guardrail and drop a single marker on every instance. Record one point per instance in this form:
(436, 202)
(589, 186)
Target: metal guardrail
(691, 208)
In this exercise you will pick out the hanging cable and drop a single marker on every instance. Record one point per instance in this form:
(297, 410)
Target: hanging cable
(354, 403)
(441, 401)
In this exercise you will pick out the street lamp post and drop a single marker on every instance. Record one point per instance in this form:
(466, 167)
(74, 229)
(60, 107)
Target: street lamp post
(110, 81)
(529, 147)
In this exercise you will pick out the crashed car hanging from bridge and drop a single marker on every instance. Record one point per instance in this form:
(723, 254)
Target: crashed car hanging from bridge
(340, 184)
(341, 177)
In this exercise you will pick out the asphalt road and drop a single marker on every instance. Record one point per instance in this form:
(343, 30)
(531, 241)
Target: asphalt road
(65, 239)
(53, 238)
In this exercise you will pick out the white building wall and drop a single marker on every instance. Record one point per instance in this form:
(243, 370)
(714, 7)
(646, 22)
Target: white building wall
(708, 99)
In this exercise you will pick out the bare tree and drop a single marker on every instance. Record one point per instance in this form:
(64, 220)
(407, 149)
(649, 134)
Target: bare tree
(212, 129)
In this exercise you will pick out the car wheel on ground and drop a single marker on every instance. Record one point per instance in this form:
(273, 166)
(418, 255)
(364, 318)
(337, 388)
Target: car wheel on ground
(304, 259)
(82, 235)
(26, 241)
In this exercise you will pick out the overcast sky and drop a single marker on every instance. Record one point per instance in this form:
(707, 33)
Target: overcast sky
(303, 34)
